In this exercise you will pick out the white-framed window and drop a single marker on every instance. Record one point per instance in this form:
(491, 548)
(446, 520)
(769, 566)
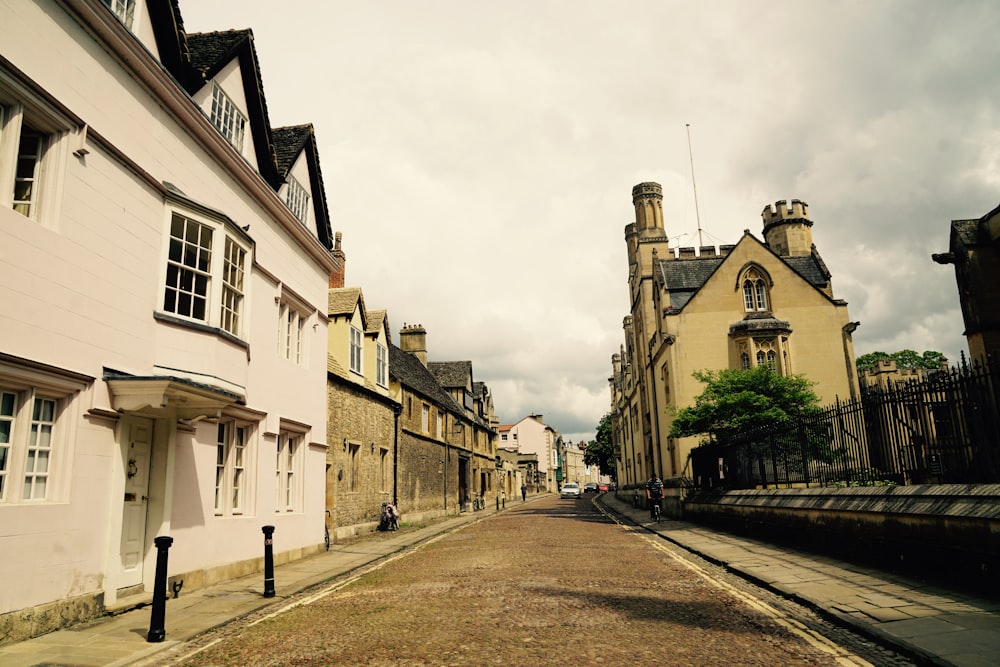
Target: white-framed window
(32, 152)
(293, 318)
(197, 276)
(356, 350)
(227, 118)
(425, 419)
(297, 200)
(231, 462)
(124, 10)
(28, 448)
(382, 365)
(233, 269)
(287, 471)
(754, 292)
(744, 361)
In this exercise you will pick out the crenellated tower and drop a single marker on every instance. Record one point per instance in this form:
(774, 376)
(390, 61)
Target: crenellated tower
(788, 230)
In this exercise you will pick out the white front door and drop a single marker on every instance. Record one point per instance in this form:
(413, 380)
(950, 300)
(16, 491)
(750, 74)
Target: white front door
(137, 439)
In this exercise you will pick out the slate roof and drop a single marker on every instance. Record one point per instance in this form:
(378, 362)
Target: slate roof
(209, 52)
(414, 375)
(288, 144)
(451, 373)
(193, 59)
(683, 278)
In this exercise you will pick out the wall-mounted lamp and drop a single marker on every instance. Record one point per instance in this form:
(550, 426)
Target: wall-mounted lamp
(458, 427)
(345, 444)
(373, 448)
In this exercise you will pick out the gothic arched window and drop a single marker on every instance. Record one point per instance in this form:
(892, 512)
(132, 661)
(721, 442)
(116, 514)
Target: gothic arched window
(745, 360)
(754, 291)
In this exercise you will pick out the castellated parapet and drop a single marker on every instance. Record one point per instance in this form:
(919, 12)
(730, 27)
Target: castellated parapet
(780, 211)
(787, 228)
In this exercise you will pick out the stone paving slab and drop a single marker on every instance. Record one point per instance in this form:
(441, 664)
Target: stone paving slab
(935, 625)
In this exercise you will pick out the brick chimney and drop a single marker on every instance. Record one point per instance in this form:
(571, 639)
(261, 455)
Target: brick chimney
(413, 339)
(337, 275)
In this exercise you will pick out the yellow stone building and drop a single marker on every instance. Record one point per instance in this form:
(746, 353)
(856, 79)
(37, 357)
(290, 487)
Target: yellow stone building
(748, 304)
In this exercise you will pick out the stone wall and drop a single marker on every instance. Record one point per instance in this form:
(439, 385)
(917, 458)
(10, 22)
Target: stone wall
(948, 532)
(361, 439)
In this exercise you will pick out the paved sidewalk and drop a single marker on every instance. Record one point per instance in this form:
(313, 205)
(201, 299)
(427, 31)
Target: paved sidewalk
(120, 640)
(934, 625)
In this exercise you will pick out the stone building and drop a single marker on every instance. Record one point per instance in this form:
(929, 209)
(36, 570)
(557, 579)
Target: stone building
(445, 455)
(974, 250)
(756, 302)
(361, 430)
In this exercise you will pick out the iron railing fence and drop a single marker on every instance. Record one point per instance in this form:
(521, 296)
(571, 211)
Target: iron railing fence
(940, 430)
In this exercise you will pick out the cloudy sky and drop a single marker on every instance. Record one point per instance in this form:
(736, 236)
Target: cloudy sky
(479, 158)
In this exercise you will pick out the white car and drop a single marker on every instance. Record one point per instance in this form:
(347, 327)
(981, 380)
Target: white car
(570, 490)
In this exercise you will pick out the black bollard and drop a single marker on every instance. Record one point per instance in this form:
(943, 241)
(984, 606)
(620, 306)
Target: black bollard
(498, 503)
(504, 502)
(156, 620)
(268, 562)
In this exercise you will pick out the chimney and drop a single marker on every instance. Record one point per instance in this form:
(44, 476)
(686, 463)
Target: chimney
(337, 275)
(413, 339)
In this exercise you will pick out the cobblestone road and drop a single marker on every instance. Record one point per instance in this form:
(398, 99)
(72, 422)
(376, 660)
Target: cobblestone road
(552, 582)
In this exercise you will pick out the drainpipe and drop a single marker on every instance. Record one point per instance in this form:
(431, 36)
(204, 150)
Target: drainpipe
(396, 411)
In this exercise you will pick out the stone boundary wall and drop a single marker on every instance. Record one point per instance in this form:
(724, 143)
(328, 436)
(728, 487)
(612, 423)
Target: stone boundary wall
(949, 533)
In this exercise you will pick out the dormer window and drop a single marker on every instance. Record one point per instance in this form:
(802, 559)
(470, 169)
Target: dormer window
(124, 10)
(297, 200)
(228, 119)
(754, 292)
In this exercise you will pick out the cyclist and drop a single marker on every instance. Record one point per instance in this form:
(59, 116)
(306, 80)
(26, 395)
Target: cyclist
(654, 495)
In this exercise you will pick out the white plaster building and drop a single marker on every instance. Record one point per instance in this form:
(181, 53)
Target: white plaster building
(163, 329)
(531, 435)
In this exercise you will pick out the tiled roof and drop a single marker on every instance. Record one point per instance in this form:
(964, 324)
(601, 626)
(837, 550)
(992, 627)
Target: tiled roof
(209, 49)
(333, 366)
(414, 376)
(288, 144)
(451, 373)
(684, 277)
(376, 320)
(343, 300)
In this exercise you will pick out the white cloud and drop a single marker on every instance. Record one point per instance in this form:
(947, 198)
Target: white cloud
(479, 158)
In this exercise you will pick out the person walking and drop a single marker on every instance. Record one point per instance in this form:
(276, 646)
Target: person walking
(524, 493)
(654, 495)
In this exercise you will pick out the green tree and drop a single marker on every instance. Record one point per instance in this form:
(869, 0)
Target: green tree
(930, 359)
(600, 451)
(735, 401)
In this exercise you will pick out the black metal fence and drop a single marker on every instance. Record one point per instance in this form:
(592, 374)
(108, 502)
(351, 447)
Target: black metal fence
(943, 429)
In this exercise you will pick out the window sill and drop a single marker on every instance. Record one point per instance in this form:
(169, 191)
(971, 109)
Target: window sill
(198, 326)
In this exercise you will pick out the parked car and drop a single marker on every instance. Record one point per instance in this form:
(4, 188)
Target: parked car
(590, 487)
(603, 487)
(570, 490)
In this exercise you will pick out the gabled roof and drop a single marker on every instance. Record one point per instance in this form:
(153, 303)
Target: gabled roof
(193, 59)
(289, 143)
(414, 376)
(683, 278)
(344, 301)
(212, 51)
(377, 321)
(451, 374)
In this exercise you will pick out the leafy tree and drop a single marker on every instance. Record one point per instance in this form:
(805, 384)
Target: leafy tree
(910, 359)
(600, 451)
(736, 401)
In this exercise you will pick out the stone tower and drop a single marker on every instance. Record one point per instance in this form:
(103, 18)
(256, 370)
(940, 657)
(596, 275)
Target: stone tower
(788, 231)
